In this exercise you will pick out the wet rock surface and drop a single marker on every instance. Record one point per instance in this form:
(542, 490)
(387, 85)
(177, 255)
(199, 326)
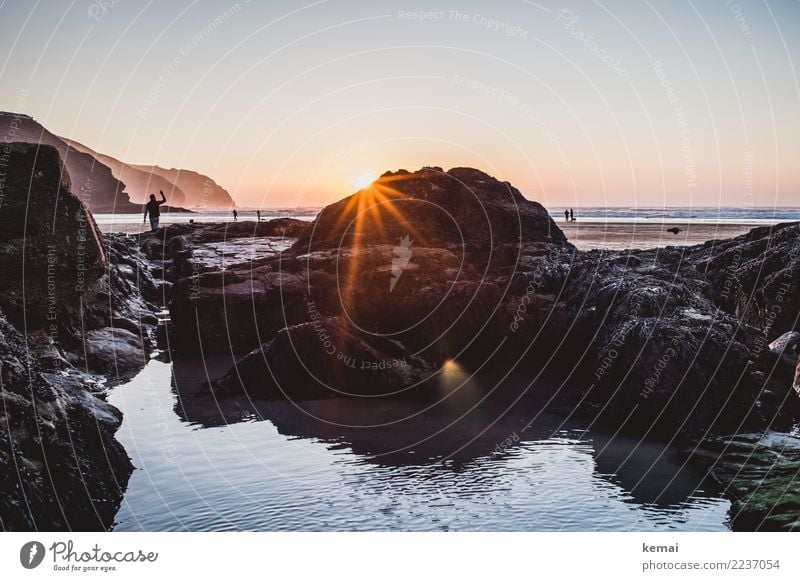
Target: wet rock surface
(756, 277)
(228, 253)
(62, 469)
(659, 356)
(180, 250)
(75, 314)
(50, 249)
(761, 472)
(327, 358)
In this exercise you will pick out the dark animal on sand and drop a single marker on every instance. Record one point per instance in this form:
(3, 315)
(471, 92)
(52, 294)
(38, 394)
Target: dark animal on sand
(674, 230)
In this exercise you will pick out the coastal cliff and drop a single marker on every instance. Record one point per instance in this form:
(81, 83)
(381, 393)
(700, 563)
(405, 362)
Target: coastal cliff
(105, 184)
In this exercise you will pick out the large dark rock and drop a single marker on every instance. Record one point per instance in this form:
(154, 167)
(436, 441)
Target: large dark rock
(60, 466)
(84, 304)
(436, 305)
(414, 256)
(756, 277)
(58, 274)
(114, 352)
(657, 354)
(50, 248)
(456, 265)
(233, 311)
(464, 210)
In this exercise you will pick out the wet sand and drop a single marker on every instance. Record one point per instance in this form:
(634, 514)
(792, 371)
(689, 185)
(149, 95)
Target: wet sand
(638, 235)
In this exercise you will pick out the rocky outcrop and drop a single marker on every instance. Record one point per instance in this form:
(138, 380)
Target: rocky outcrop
(59, 276)
(180, 250)
(50, 248)
(457, 265)
(657, 355)
(755, 277)
(405, 258)
(464, 210)
(73, 312)
(686, 345)
(60, 466)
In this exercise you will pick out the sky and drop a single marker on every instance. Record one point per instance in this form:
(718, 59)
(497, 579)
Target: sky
(576, 103)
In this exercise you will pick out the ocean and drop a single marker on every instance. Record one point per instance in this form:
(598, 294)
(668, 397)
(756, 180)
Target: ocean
(758, 216)
(132, 223)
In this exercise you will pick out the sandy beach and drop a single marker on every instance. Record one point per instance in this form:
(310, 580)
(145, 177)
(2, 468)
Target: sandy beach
(638, 235)
(585, 235)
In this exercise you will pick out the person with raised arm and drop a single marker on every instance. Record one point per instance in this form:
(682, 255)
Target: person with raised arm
(153, 209)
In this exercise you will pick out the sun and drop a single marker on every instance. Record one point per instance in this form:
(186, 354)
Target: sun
(365, 180)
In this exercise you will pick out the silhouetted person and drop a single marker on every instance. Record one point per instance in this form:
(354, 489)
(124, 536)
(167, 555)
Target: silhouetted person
(566, 215)
(235, 215)
(153, 209)
(571, 215)
(258, 213)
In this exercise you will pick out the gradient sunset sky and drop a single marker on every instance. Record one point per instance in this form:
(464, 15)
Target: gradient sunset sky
(292, 103)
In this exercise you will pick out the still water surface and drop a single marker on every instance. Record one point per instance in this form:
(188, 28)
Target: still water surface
(351, 465)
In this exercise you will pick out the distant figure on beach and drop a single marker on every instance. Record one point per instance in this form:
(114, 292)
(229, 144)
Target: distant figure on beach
(258, 213)
(571, 215)
(153, 209)
(566, 215)
(674, 230)
(235, 215)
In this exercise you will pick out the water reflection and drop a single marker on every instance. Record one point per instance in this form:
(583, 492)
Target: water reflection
(476, 460)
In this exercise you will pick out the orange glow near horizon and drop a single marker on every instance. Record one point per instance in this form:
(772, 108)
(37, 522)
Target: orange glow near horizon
(368, 204)
(352, 90)
(365, 180)
(377, 195)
